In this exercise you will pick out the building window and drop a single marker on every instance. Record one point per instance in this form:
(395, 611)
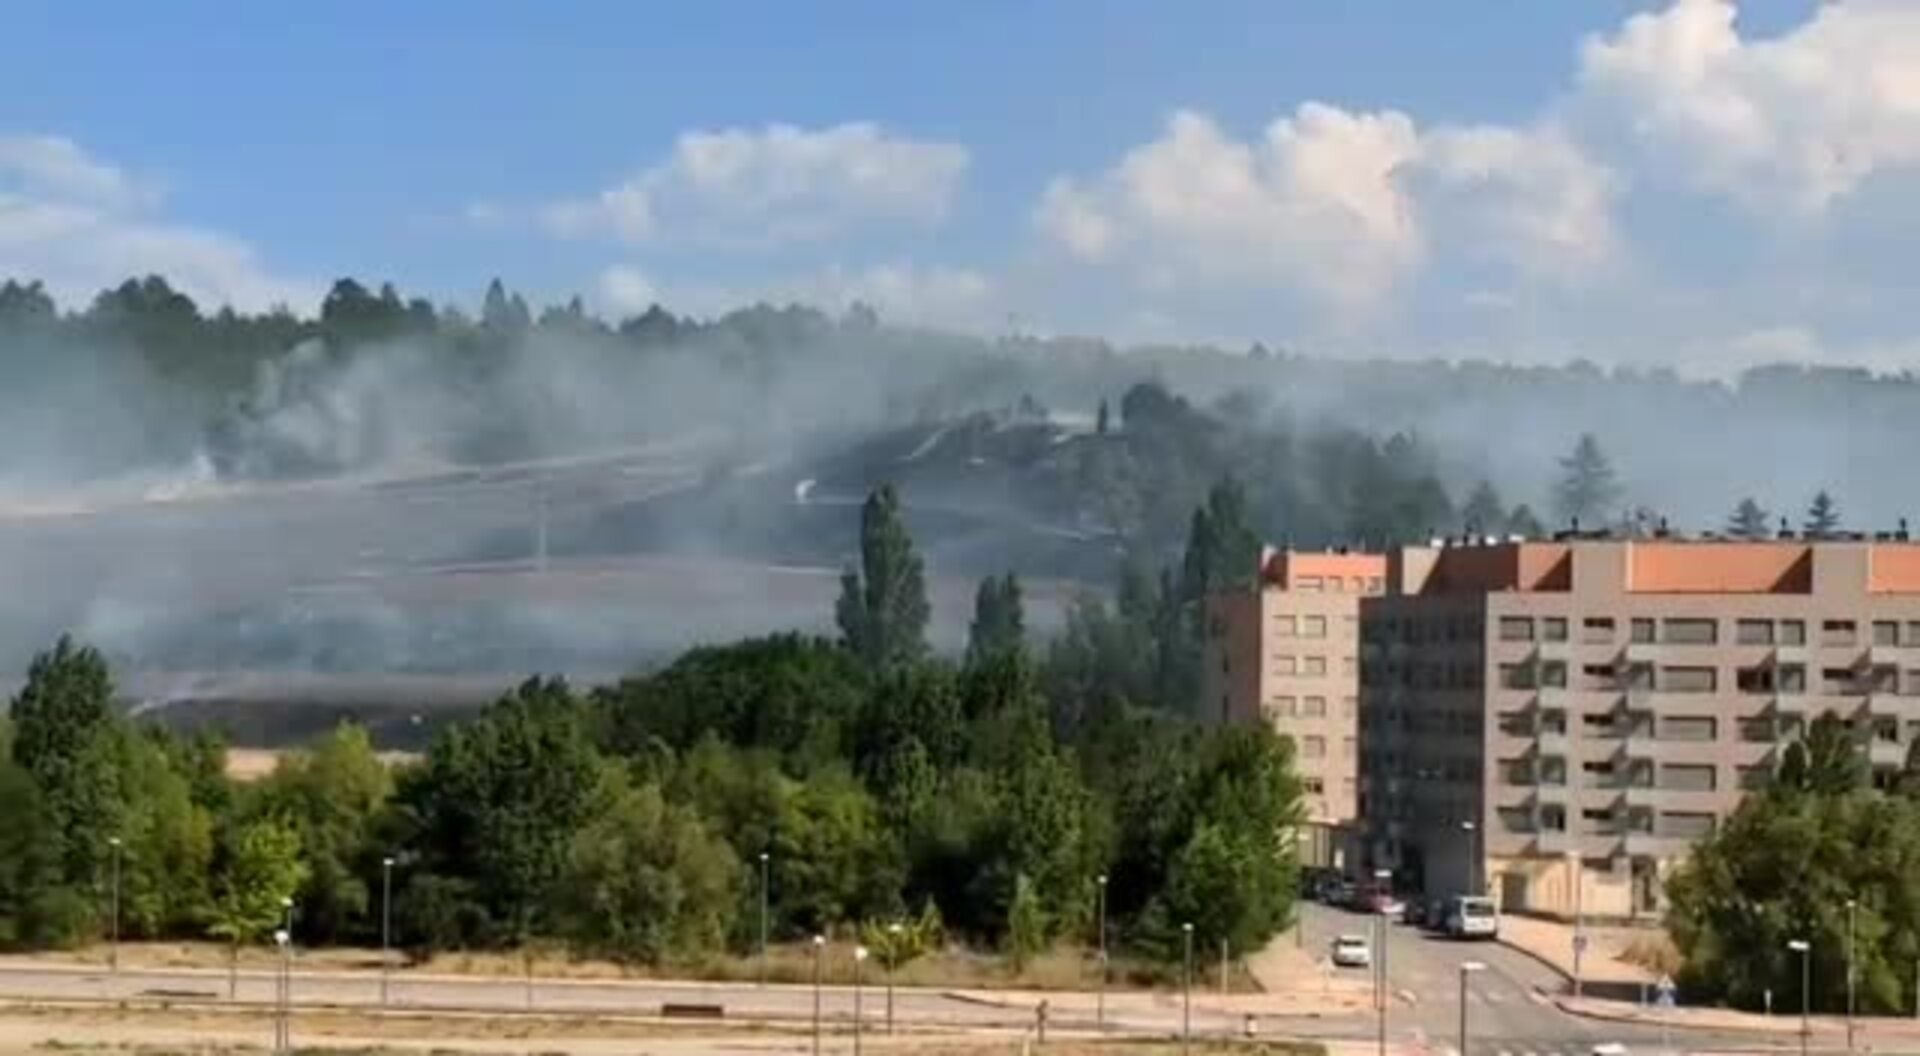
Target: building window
(1600, 770)
(1597, 630)
(1284, 706)
(1685, 825)
(1553, 818)
(1793, 632)
(1315, 708)
(1553, 770)
(1313, 627)
(1791, 678)
(1313, 747)
(1913, 632)
(1886, 632)
(1753, 632)
(1598, 822)
(1553, 674)
(1756, 731)
(1553, 629)
(1516, 629)
(1374, 584)
(1516, 819)
(1839, 632)
(1686, 777)
(1838, 682)
(1313, 785)
(1641, 631)
(1285, 627)
(1517, 676)
(1691, 632)
(1597, 724)
(1313, 665)
(1754, 679)
(1687, 728)
(1285, 664)
(1688, 680)
(1307, 583)
(1336, 584)
(1349, 745)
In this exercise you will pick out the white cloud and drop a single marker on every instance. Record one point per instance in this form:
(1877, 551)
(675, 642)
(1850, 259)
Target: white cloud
(1338, 204)
(81, 224)
(1798, 120)
(626, 291)
(776, 185)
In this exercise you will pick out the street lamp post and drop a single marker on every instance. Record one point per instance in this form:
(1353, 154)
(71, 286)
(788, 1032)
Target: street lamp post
(1382, 877)
(1466, 968)
(859, 962)
(1852, 912)
(1473, 857)
(893, 961)
(282, 996)
(819, 947)
(764, 898)
(113, 950)
(1100, 995)
(1804, 949)
(1186, 990)
(386, 927)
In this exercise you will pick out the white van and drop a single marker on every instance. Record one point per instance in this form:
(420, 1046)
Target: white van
(1472, 917)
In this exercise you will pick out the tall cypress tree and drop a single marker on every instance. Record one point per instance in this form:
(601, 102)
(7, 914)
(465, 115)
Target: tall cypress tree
(883, 609)
(999, 620)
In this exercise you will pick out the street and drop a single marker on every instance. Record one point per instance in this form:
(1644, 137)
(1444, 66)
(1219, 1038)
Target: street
(1509, 1012)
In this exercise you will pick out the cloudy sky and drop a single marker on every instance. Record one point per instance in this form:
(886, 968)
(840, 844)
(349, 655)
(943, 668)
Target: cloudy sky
(1697, 183)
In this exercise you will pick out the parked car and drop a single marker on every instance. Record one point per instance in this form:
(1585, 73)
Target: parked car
(1340, 892)
(1415, 911)
(1352, 951)
(1472, 917)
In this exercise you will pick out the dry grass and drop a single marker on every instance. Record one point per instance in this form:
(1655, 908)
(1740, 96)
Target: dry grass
(1064, 968)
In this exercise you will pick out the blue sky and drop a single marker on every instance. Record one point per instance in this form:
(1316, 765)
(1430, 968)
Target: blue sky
(1684, 183)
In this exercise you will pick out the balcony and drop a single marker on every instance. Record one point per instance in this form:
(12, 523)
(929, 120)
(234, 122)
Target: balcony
(1554, 841)
(1886, 655)
(1649, 845)
(1886, 753)
(1550, 742)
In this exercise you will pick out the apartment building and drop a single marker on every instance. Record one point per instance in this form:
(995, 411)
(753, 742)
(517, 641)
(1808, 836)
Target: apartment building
(1286, 653)
(1558, 722)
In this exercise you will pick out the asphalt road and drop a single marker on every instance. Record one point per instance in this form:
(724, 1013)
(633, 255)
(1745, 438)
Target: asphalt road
(1508, 1004)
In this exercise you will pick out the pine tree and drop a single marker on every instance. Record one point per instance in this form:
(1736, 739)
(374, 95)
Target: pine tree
(1523, 522)
(1100, 420)
(883, 609)
(1823, 517)
(1588, 488)
(999, 621)
(1484, 514)
(1748, 520)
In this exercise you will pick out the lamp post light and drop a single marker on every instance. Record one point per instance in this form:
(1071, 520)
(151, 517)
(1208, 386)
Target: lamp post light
(1382, 878)
(1466, 968)
(113, 949)
(1186, 990)
(386, 927)
(1852, 913)
(1804, 949)
(1100, 995)
(859, 960)
(764, 899)
(1473, 857)
(894, 933)
(819, 947)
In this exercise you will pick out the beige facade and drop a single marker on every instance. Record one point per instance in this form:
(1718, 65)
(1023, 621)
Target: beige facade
(1559, 722)
(1287, 653)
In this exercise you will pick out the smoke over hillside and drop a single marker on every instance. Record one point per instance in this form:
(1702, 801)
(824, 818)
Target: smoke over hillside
(396, 487)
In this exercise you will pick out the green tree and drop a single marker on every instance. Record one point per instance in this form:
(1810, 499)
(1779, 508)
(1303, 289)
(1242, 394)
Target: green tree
(1748, 521)
(260, 869)
(1587, 490)
(1027, 925)
(1484, 513)
(499, 799)
(63, 723)
(999, 619)
(334, 793)
(167, 840)
(833, 859)
(1524, 523)
(36, 907)
(1827, 761)
(883, 609)
(1823, 516)
(646, 881)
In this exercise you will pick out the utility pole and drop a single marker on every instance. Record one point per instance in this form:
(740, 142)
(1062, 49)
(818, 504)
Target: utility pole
(386, 927)
(819, 946)
(1852, 912)
(1804, 949)
(894, 933)
(764, 898)
(859, 961)
(1186, 992)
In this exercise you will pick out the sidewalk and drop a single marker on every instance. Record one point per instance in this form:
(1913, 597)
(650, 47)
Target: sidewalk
(1551, 942)
(1826, 1030)
(1294, 981)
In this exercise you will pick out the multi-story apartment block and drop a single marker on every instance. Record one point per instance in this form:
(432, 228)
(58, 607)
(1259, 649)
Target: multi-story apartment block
(1546, 718)
(1287, 653)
